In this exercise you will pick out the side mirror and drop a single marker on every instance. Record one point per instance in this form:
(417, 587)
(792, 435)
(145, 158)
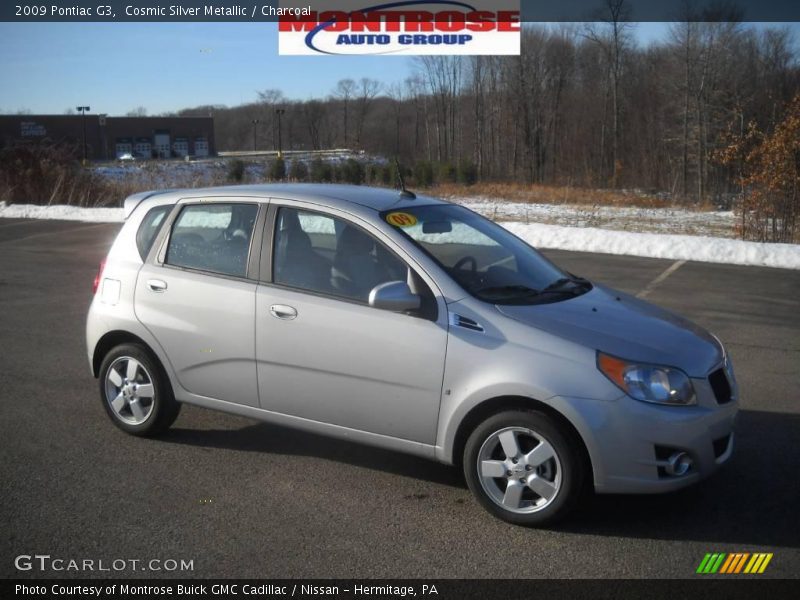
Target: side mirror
(395, 296)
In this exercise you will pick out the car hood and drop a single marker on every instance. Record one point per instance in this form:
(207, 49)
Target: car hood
(620, 324)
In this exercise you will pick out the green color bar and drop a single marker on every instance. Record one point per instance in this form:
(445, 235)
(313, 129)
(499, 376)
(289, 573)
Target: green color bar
(718, 563)
(701, 568)
(710, 564)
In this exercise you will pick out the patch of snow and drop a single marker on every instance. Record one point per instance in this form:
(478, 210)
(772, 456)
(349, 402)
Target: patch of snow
(172, 174)
(579, 239)
(62, 212)
(658, 245)
(625, 218)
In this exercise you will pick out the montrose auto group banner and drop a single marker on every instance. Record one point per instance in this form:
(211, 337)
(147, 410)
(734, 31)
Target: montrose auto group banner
(401, 27)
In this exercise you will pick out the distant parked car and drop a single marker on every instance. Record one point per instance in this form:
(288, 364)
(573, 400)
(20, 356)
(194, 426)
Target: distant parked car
(126, 157)
(411, 324)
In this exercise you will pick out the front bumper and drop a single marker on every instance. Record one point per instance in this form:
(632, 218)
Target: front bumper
(628, 440)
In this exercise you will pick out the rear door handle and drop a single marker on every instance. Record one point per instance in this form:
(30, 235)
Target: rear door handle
(157, 285)
(281, 311)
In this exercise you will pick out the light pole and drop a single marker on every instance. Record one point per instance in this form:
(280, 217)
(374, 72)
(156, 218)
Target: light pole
(279, 112)
(255, 126)
(101, 121)
(83, 110)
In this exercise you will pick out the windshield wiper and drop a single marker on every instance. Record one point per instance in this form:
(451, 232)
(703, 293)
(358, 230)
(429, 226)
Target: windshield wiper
(558, 286)
(521, 291)
(518, 291)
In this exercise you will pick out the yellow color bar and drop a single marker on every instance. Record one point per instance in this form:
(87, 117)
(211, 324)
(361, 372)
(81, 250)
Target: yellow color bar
(765, 563)
(756, 562)
(752, 563)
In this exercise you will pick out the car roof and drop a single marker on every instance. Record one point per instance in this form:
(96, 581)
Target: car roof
(329, 194)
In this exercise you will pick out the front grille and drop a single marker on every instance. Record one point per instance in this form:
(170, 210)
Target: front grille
(721, 386)
(720, 445)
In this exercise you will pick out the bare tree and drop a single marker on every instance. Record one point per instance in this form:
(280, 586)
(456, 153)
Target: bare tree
(367, 90)
(684, 35)
(314, 115)
(269, 100)
(611, 34)
(442, 75)
(416, 96)
(344, 92)
(478, 93)
(397, 93)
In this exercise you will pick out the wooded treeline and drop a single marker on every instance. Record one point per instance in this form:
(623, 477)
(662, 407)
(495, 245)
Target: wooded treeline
(581, 105)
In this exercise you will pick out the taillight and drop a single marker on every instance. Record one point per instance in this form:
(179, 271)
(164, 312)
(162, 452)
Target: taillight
(98, 278)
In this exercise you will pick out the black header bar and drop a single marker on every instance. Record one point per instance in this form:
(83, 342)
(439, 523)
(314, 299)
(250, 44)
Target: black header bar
(269, 10)
(732, 588)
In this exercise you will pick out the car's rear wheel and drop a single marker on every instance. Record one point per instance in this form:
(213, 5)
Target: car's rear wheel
(522, 468)
(135, 391)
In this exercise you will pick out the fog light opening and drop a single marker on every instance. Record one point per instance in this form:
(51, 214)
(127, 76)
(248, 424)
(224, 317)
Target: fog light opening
(679, 463)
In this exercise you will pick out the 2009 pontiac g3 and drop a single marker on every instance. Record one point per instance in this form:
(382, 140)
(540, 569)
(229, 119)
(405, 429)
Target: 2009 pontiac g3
(407, 323)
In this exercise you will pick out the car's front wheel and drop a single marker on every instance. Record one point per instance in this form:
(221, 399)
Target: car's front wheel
(522, 468)
(135, 391)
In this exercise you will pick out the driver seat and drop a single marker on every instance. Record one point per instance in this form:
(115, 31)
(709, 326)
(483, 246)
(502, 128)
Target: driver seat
(355, 268)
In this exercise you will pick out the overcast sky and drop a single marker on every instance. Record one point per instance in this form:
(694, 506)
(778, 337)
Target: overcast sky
(46, 68)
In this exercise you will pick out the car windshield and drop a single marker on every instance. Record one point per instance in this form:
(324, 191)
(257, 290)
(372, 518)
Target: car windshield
(485, 259)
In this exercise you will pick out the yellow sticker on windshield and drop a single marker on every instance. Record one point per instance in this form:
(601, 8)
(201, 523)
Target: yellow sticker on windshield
(401, 219)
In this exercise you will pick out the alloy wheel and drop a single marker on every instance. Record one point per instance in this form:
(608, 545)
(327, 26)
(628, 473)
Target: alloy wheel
(519, 470)
(129, 390)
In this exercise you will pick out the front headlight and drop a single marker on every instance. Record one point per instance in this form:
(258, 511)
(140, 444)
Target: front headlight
(648, 383)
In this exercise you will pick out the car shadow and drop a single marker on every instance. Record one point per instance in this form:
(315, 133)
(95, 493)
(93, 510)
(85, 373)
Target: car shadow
(750, 501)
(267, 438)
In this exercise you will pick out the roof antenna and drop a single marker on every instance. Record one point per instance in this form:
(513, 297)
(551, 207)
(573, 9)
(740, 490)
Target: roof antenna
(404, 193)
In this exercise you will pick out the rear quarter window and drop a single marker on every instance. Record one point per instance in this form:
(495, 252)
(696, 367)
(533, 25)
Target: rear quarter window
(149, 228)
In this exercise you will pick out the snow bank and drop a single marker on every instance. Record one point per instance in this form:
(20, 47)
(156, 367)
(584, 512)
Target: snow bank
(658, 245)
(714, 223)
(62, 213)
(580, 239)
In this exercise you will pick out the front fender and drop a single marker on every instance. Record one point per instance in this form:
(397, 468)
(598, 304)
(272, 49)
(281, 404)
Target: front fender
(521, 363)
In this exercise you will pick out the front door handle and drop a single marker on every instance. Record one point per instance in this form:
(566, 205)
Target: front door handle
(157, 285)
(281, 311)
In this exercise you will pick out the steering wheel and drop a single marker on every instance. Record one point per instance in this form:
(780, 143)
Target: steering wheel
(463, 261)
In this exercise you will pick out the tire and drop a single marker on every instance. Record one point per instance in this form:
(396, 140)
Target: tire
(136, 392)
(523, 468)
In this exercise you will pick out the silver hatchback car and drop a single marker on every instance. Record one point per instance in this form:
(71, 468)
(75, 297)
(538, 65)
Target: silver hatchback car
(408, 323)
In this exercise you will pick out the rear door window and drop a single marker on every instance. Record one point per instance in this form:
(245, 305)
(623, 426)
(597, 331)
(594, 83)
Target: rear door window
(213, 237)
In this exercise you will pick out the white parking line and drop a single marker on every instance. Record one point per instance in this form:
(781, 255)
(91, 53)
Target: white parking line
(667, 272)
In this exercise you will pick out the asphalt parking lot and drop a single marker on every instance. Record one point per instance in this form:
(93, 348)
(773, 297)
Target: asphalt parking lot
(244, 499)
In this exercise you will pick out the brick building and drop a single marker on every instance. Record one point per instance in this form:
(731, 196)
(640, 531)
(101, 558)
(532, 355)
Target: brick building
(109, 137)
